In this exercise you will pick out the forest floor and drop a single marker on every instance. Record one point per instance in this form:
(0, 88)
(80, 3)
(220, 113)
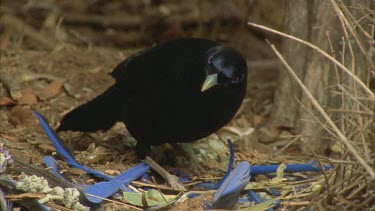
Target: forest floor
(55, 64)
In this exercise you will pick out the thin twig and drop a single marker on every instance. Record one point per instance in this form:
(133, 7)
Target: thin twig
(171, 179)
(346, 23)
(15, 24)
(317, 106)
(12, 85)
(165, 199)
(369, 92)
(113, 201)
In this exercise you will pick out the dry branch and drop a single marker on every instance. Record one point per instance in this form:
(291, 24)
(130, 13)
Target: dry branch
(341, 66)
(12, 85)
(317, 106)
(14, 24)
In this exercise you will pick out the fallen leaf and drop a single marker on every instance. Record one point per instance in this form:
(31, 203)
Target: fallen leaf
(47, 147)
(112, 172)
(150, 198)
(4, 101)
(26, 196)
(78, 172)
(52, 89)
(28, 97)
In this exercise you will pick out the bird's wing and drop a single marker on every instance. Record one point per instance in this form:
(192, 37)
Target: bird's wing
(118, 73)
(165, 66)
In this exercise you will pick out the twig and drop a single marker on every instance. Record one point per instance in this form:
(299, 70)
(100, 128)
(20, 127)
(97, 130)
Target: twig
(369, 92)
(35, 76)
(15, 24)
(12, 85)
(350, 111)
(289, 143)
(171, 179)
(317, 106)
(165, 199)
(149, 185)
(346, 23)
(113, 201)
(295, 203)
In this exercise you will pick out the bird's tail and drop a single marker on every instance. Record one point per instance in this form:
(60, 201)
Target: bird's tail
(101, 113)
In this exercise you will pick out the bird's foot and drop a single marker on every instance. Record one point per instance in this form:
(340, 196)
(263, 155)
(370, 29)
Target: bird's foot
(171, 179)
(173, 182)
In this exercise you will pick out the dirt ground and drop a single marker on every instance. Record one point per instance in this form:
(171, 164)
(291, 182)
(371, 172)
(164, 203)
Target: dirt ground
(53, 83)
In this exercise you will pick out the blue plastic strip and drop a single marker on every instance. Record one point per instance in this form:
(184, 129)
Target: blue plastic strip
(289, 168)
(51, 164)
(253, 196)
(106, 189)
(229, 192)
(212, 186)
(101, 189)
(230, 166)
(57, 143)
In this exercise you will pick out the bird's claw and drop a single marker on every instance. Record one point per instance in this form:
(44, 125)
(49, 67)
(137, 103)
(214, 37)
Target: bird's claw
(173, 182)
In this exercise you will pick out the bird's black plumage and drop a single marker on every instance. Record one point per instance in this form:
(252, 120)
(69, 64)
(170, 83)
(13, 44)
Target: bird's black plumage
(177, 91)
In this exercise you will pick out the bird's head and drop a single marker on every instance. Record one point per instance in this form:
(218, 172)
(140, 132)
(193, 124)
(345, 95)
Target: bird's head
(225, 67)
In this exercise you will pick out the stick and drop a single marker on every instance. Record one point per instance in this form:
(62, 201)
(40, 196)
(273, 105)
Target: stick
(15, 24)
(12, 85)
(341, 66)
(171, 179)
(315, 103)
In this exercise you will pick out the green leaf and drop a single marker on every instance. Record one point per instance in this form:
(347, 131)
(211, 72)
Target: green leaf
(153, 198)
(133, 198)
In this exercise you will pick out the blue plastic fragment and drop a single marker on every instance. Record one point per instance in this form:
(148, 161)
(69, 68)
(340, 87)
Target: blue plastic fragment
(51, 164)
(106, 189)
(206, 186)
(229, 192)
(193, 195)
(101, 189)
(230, 166)
(57, 143)
(253, 196)
(183, 177)
(264, 169)
(212, 186)
(289, 168)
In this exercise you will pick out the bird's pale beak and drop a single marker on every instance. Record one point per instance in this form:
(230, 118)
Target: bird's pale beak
(211, 80)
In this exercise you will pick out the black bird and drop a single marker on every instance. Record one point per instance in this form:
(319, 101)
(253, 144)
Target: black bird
(178, 91)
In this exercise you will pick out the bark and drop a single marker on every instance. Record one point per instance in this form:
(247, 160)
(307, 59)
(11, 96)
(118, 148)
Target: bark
(319, 73)
(296, 23)
(317, 22)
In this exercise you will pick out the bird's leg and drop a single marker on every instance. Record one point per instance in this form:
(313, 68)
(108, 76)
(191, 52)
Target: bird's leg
(195, 165)
(171, 179)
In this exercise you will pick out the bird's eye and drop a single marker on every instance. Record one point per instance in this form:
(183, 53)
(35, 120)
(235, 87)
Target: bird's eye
(235, 79)
(210, 59)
